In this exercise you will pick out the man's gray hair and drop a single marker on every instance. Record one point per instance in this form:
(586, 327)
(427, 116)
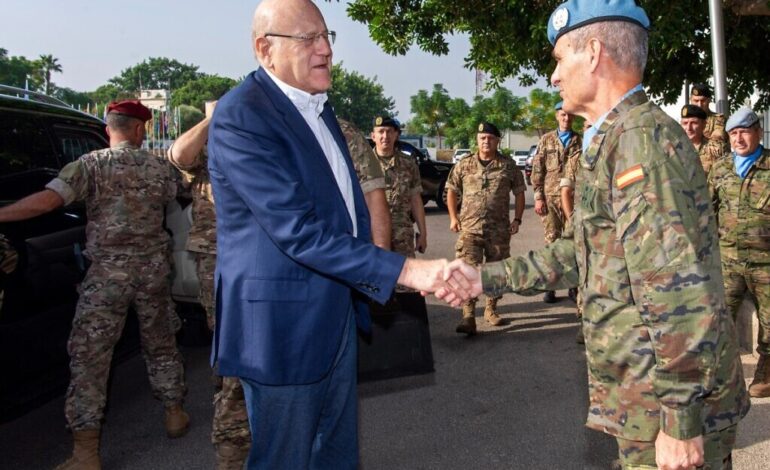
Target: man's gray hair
(121, 122)
(625, 43)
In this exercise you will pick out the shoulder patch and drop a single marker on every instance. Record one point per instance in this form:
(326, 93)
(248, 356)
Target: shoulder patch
(629, 176)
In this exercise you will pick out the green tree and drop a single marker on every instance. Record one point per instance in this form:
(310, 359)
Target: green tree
(48, 64)
(189, 116)
(18, 71)
(540, 113)
(455, 131)
(197, 92)
(72, 97)
(156, 73)
(110, 92)
(358, 99)
(508, 39)
(431, 112)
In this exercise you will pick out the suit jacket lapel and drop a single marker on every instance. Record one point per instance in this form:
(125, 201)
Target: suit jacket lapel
(302, 132)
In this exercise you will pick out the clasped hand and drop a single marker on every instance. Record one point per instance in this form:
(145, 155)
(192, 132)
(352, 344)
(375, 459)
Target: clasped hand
(454, 282)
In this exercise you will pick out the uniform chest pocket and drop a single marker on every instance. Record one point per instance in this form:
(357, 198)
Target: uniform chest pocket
(552, 161)
(760, 194)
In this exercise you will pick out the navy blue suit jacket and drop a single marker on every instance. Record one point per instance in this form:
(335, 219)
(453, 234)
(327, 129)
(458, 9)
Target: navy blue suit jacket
(289, 269)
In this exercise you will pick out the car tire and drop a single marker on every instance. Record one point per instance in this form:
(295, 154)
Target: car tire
(441, 196)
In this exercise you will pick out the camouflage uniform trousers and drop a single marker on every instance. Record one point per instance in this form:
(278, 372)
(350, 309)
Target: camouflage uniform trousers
(717, 449)
(231, 422)
(476, 249)
(108, 290)
(553, 221)
(754, 279)
(402, 242)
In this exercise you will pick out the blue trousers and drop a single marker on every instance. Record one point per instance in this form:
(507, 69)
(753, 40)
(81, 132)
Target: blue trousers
(311, 426)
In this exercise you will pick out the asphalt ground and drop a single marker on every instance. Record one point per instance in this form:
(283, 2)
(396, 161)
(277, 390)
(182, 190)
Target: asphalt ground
(513, 397)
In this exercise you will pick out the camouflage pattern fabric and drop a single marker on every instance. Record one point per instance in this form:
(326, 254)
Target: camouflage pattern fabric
(402, 181)
(108, 290)
(661, 346)
(568, 181)
(710, 151)
(743, 211)
(230, 423)
(486, 194)
(368, 169)
(717, 448)
(475, 249)
(548, 167)
(715, 127)
(126, 190)
(8, 259)
(202, 237)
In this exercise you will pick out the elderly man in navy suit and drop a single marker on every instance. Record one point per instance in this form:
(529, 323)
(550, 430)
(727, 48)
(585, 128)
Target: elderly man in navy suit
(295, 265)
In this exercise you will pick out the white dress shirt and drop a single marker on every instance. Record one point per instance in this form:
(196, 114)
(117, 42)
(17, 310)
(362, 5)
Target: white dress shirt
(311, 107)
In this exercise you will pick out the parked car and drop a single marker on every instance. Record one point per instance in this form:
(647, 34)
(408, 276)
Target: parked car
(520, 157)
(528, 164)
(459, 154)
(433, 174)
(38, 136)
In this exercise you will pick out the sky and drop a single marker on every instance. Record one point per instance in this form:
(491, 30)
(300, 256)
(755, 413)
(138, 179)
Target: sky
(95, 40)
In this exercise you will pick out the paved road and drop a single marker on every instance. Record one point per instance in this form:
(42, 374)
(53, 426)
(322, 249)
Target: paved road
(513, 397)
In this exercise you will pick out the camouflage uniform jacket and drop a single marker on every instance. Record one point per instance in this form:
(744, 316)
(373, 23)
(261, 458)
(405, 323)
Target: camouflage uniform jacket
(549, 162)
(368, 169)
(203, 233)
(743, 209)
(486, 193)
(402, 181)
(660, 343)
(125, 190)
(711, 150)
(715, 127)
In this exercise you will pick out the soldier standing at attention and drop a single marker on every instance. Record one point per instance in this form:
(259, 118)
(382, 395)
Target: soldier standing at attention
(693, 122)
(553, 151)
(664, 374)
(700, 96)
(484, 181)
(125, 190)
(230, 433)
(740, 188)
(403, 189)
(372, 181)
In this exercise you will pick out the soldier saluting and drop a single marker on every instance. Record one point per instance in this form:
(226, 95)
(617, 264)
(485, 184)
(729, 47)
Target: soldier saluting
(125, 190)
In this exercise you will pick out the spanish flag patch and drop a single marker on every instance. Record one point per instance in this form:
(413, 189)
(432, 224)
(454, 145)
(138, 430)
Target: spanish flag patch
(630, 176)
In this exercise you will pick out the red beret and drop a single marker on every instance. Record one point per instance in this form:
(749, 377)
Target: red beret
(131, 108)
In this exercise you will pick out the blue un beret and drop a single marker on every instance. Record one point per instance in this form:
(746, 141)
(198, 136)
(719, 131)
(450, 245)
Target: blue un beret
(558, 105)
(573, 14)
(744, 117)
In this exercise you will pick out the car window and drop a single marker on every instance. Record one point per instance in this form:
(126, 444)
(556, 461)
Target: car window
(73, 143)
(24, 144)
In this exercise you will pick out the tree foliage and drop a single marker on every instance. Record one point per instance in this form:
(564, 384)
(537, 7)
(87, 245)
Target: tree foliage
(541, 116)
(197, 92)
(358, 99)
(431, 112)
(502, 109)
(48, 64)
(156, 73)
(19, 71)
(189, 116)
(508, 39)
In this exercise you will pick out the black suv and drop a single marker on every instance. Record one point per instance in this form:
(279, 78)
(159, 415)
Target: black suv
(38, 136)
(432, 174)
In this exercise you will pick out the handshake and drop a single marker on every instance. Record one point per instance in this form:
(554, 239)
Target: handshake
(453, 282)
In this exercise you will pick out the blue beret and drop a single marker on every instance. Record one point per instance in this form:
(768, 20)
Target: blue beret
(744, 117)
(558, 105)
(573, 14)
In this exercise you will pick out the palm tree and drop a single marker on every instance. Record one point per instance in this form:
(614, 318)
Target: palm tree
(48, 64)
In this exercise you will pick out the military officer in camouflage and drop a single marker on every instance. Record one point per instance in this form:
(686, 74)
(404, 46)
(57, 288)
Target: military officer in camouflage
(553, 151)
(665, 377)
(403, 189)
(693, 122)
(230, 433)
(484, 181)
(372, 181)
(740, 188)
(700, 96)
(125, 190)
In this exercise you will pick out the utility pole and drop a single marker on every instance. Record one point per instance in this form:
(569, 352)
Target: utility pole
(718, 56)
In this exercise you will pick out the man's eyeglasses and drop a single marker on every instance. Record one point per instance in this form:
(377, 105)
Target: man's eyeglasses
(308, 39)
